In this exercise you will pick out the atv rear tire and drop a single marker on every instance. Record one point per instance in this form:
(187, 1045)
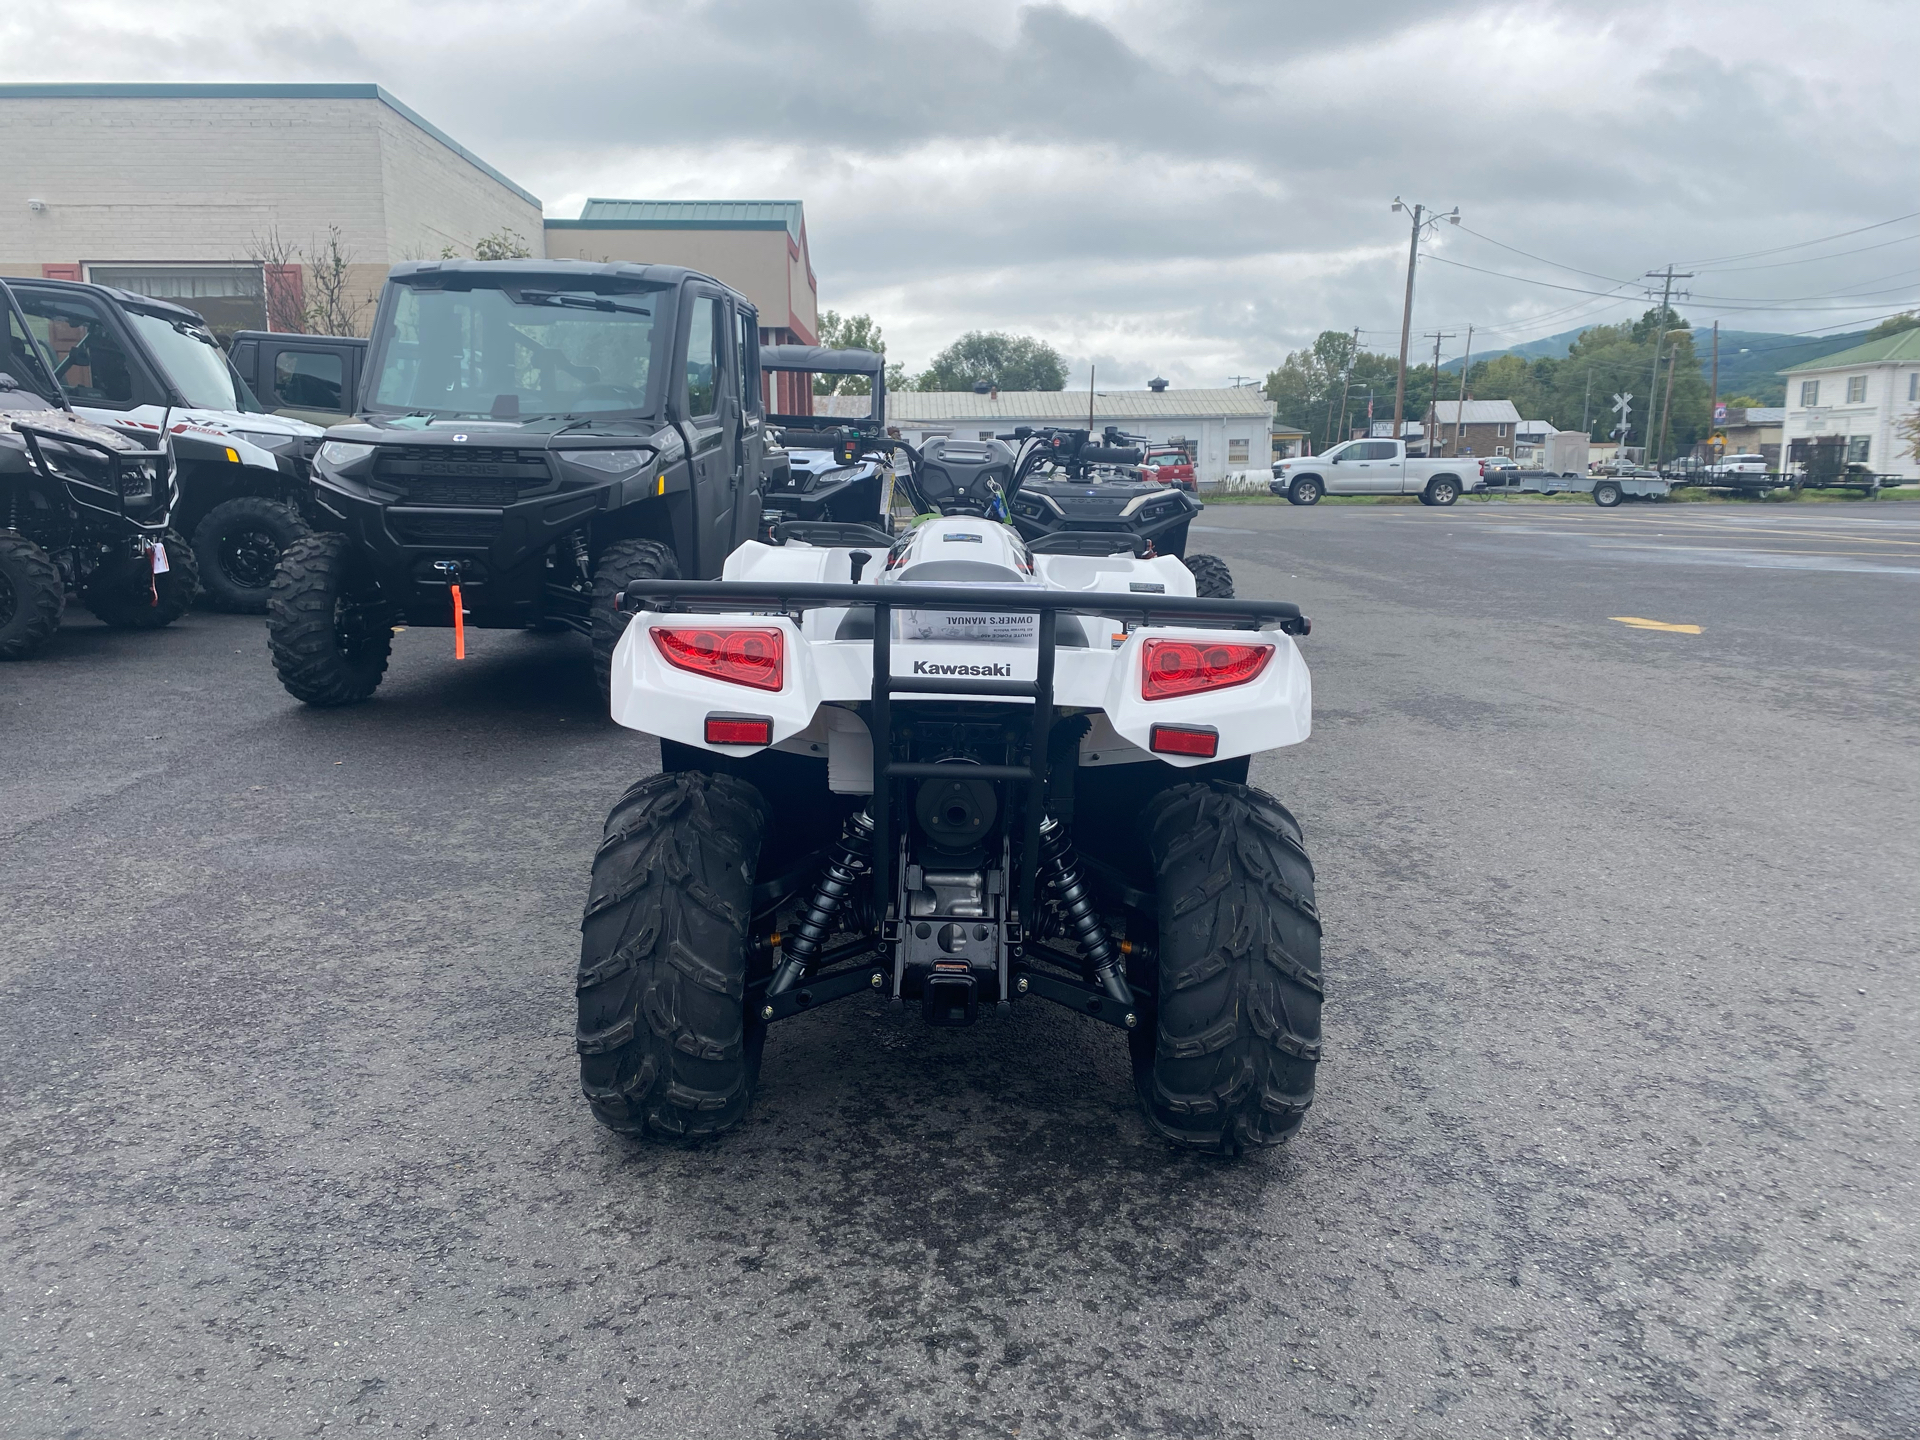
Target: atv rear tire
(667, 1048)
(620, 563)
(32, 596)
(328, 629)
(1211, 577)
(129, 596)
(1304, 491)
(239, 545)
(1229, 1060)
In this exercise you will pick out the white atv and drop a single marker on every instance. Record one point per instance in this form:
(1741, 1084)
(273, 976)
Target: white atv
(957, 773)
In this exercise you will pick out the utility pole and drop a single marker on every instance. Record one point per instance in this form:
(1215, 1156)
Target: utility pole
(1432, 426)
(1460, 414)
(1345, 381)
(1666, 411)
(1713, 405)
(1420, 219)
(1659, 340)
(1586, 405)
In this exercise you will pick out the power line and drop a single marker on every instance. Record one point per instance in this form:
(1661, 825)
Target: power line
(1739, 302)
(1802, 244)
(1615, 279)
(1811, 259)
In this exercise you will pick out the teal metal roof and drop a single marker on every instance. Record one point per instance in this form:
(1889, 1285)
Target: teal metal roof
(603, 214)
(262, 92)
(1900, 348)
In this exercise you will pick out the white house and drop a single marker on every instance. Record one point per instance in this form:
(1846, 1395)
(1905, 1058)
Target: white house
(1864, 394)
(1228, 430)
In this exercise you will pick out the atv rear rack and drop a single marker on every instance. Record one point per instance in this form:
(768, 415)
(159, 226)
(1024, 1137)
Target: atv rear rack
(749, 597)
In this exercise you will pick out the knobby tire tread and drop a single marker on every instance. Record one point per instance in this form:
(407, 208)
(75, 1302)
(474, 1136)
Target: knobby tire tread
(1228, 1064)
(620, 564)
(307, 653)
(667, 1049)
(275, 516)
(39, 596)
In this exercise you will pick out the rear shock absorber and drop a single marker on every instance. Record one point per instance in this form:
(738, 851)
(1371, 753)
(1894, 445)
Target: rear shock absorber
(845, 867)
(1070, 892)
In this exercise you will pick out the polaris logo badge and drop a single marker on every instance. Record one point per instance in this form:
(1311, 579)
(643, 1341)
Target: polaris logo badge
(982, 672)
(964, 535)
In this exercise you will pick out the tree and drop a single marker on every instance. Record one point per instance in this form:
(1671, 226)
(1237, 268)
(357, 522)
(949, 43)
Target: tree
(502, 244)
(317, 296)
(1006, 362)
(850, 332)
(1894, 324)
(1910, 432)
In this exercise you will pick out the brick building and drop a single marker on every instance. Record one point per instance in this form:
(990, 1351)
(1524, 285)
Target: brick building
(1473, 427)
(176, 191)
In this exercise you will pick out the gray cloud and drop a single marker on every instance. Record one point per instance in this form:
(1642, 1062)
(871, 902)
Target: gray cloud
(1190, 186)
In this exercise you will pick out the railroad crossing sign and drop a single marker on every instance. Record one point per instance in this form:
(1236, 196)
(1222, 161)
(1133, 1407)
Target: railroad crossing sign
(1623, 404)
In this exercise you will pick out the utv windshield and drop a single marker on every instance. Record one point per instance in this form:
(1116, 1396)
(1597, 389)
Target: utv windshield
(194, 362)
(530, 352)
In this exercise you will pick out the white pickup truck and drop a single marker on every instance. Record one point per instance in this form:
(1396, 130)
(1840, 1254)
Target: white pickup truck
(1375, 467)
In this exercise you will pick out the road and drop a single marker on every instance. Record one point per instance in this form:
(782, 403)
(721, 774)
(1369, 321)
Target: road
(1616, 1127)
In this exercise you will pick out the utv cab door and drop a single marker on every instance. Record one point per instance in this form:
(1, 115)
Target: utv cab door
(711, 421)
(751, 440)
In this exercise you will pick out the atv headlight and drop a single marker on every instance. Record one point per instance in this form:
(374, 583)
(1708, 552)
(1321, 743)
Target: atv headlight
(341, 453)
(610, 462)
(266, 440)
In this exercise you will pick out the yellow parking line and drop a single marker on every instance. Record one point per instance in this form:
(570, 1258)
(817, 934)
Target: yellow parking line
(1637, 623)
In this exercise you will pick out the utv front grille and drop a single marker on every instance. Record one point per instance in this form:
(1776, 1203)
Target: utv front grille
(432, 475)
(434, 527)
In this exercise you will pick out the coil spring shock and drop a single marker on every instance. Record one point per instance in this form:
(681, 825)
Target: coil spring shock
(848, 863)
(1070, 892)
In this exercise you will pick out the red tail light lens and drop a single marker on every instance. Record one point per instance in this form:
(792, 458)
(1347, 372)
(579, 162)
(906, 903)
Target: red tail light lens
(1185, 667)
(740, 657)
(739, 730)
(1201, 740)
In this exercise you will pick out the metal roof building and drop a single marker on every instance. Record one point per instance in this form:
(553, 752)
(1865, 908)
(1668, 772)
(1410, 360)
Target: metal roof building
(1228, 429)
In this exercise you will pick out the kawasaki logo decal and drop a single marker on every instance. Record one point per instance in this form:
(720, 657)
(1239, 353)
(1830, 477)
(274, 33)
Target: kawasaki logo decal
(984, 672)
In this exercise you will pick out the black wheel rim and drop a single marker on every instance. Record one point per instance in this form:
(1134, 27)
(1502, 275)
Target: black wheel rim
(248, 558)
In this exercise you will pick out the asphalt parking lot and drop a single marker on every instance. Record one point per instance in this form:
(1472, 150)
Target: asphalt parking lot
(1616, 1127)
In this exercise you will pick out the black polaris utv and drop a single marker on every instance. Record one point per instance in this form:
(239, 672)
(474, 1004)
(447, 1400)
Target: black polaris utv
(534, 435)
(82, 509)
(1068, 491)
(135, 364)
(835, 467)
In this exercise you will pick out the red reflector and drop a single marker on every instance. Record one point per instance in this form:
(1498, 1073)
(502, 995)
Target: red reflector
(1181, 740)
(1183, 667)
(739, 730)
(740, 657)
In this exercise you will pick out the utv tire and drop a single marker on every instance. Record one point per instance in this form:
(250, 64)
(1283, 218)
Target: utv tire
(1229, 1061)
(1304, 491)
(667, 1049)
(620, 563)
(128, 596)
(1441, 491)
(32, 596)
(328, 630)
(239, 545)
(1211, 577)
(1607, 495)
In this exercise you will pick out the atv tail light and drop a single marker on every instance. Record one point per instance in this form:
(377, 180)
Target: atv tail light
(1202, 740)
(739, 730)
(740, 657)
(1185, 667)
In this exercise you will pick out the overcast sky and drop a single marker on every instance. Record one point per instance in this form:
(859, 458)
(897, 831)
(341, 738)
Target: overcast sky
(1187, 187)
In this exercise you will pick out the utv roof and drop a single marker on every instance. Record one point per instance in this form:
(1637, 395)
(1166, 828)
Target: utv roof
(576, 271)
(124, 297)
(822, 360)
